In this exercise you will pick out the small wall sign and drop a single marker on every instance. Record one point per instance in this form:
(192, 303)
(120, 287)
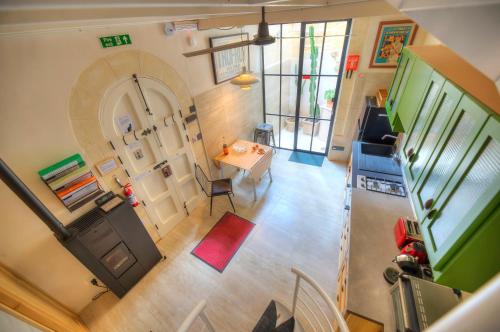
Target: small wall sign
(106, 166)
(117, 40)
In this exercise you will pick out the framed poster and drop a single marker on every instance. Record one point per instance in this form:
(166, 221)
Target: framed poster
(228, 64)
(392, 36)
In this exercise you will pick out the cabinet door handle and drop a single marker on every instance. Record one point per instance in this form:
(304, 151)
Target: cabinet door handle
(391, 102)
(410, 154)
(428, 203)
(431, 213)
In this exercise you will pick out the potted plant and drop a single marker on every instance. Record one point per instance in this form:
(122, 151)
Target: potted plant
(329, 95)
(290, 123)
(308, 124)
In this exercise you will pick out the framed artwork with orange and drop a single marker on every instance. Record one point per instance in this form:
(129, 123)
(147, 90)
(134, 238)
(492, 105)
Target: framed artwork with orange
(392, 36)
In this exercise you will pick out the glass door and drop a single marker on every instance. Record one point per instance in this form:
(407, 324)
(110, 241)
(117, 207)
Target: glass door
(302, 72)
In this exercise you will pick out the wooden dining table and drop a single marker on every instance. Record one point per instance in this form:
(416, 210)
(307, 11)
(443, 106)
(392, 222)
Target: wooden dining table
(250, 160)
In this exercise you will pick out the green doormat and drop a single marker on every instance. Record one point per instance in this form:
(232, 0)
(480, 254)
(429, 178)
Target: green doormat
(307, 158)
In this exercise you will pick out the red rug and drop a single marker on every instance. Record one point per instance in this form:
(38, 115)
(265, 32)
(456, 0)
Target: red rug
(223, 241)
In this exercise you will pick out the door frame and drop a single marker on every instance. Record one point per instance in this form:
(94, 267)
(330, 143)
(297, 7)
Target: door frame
(131, 179)
(299, 82)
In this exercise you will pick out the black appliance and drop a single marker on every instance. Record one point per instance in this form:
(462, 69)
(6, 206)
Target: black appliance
(114, 245)
(375, 124)
(418, 303)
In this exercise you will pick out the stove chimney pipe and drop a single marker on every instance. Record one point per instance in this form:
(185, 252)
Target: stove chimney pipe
(23, 192)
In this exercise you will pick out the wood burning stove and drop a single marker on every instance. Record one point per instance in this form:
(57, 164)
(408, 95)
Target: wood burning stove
(113, 245)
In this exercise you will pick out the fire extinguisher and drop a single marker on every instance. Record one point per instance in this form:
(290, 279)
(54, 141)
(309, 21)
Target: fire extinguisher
(129, 193)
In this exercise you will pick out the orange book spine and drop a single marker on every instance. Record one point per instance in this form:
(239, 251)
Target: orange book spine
(76, 186)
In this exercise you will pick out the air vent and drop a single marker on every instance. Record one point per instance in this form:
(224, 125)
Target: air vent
(85, 221)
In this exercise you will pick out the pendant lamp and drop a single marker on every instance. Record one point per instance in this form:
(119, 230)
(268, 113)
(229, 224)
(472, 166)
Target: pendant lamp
(245, 79)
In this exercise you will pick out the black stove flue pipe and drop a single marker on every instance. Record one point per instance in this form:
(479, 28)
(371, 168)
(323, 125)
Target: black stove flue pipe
(23, 192)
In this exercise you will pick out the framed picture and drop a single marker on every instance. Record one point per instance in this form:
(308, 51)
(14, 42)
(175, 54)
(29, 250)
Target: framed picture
(392, 36)
(227, 64)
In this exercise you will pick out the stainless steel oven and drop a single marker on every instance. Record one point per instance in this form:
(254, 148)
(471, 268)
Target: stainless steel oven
(418, 303)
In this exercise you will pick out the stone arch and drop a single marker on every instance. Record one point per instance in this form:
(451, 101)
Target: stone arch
(89, 91)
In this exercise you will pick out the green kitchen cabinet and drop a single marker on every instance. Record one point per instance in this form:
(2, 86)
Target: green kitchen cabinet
(422, 117)
(477, 261)
(419, 95)
(450, 156)
(429, 172)
(469, 197)
(398, 85)
(432, 117)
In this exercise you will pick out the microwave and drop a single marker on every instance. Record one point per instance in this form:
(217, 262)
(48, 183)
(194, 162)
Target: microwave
(418, 303)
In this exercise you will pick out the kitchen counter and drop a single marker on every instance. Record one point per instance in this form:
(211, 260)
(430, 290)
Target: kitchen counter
(371, 250)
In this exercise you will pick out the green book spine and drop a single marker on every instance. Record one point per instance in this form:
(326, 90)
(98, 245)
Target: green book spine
(51, 171)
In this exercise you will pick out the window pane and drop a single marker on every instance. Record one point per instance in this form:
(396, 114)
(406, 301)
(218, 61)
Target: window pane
(308, 97)
(287, 132)
(336, 28)
(272, 84)
(291, 30)
(288, 95)
(272, 52)
(290, 56)
(327, 86)
(332, 55)
(274, 120)
(305, 133)
(320, 141)
(312, 48)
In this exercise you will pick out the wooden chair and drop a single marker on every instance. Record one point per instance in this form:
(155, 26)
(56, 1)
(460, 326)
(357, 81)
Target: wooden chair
(214, 187)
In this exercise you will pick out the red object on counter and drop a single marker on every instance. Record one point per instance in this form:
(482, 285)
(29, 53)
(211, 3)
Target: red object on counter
(417, 250)
(406, 231)
(129, 193)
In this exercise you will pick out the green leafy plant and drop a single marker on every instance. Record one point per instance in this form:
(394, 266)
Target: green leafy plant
(313, 107)
(329, 94)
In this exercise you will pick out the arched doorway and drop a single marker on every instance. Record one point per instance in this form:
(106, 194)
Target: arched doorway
(141, 118)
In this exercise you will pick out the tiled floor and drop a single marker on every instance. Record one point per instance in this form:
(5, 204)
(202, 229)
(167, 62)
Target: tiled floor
(297, 219)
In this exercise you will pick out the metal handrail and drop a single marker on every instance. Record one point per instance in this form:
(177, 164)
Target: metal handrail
(336, 312)
(198, 311)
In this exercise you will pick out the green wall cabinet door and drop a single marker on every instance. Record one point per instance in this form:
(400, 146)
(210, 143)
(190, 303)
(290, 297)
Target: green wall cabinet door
(438, 119)
(462, 127)
(477, 261)
(398, 84)
(471, 195)
(420, 93)
(421, 113)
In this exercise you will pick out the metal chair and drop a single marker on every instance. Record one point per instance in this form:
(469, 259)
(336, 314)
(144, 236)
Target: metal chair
(263, 134)
(214, 187)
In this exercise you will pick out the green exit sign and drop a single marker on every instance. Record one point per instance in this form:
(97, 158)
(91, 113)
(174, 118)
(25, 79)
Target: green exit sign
(112, 41)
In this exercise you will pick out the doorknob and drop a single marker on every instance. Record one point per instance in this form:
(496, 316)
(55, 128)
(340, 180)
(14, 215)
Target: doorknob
(410, 154)
(428, 203)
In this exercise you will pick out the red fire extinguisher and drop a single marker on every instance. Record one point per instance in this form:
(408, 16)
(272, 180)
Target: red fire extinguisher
(129, 193)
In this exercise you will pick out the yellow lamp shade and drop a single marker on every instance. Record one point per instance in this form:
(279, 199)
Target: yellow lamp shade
(245, 79)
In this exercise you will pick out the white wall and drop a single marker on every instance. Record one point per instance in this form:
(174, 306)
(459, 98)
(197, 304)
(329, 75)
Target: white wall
(38, 72)
(470, 28)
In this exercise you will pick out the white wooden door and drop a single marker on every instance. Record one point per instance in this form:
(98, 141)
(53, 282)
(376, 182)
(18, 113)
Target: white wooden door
(166, 116)
(143, 140)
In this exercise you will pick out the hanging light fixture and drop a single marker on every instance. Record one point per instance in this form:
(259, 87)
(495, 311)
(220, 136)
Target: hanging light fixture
(246, 78)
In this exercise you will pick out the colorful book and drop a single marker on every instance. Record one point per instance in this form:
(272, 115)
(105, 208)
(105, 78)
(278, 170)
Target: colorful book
(51, 171)
(66, 192)
(81, 193)
(69, 178)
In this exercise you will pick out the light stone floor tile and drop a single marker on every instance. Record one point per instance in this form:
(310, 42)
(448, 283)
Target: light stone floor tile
(298, 223)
